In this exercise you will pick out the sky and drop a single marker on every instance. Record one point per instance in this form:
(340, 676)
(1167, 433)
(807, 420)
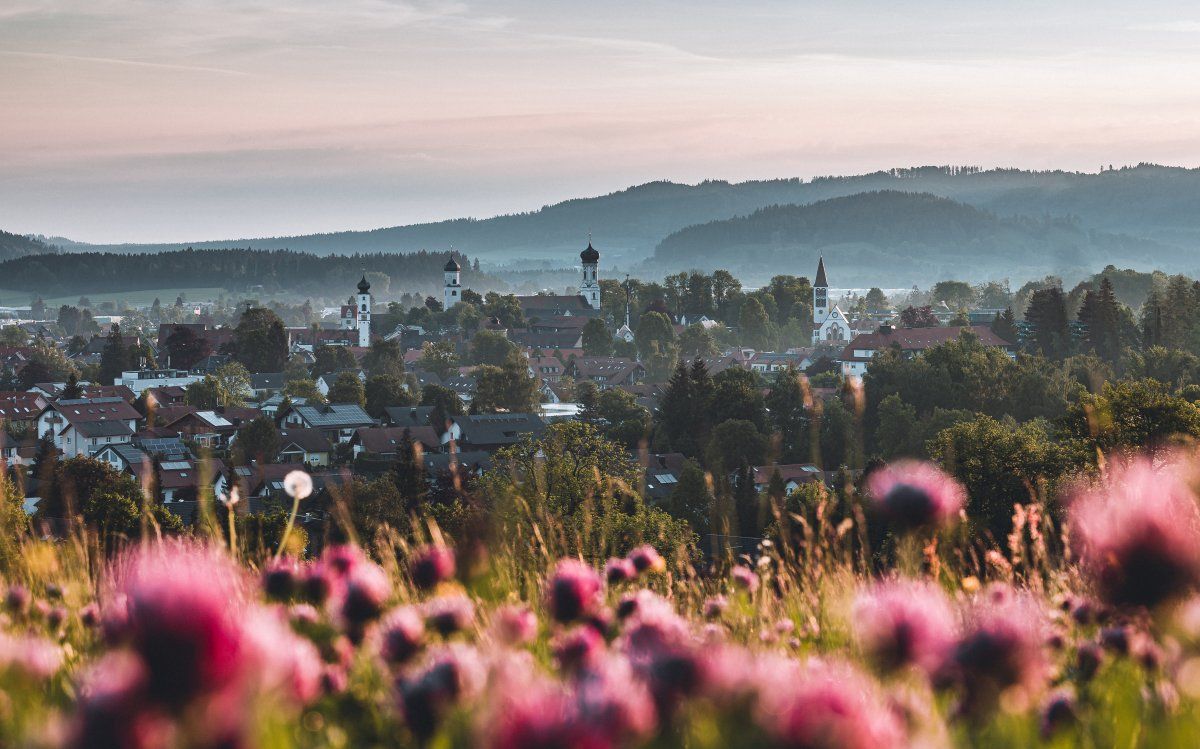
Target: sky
(183, 120)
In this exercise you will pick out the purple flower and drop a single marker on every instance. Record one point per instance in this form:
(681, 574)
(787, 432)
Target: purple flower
(17, 599)
(914, 495)
(451, 675)
(715, 607)
(1002, 648)
(401, 635)
(578, 648)
(431, 565)
(1058, 713)
(1139, 534)
(367, 590)
(180, 618)
(573, 591)
(449, 613)
(744, 578)
(278, 661)
(280, 579)
(619, 570)
(35, 657)
(904, 623)
(828, 705)
(515, 625)
(113, 711)
(646, 558)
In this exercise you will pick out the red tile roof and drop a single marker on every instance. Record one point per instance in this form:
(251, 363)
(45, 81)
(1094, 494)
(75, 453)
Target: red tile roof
(918, 339)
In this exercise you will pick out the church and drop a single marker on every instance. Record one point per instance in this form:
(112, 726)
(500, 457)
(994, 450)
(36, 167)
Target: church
(585, 304)
(830, 324)
(357, 316)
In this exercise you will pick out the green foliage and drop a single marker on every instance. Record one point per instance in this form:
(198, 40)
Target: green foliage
(383, 391)
(597, 340)
(257, 440)
(492, 348)
(384, 358)
(439, 358)
(508, 387)
(1137, 415)
(260, 342)
(1001, 463)
(348, 388)
(330, 359)
(304, 388)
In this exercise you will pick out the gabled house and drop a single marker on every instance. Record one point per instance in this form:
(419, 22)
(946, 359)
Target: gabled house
(204, 428)
(857, 355)
(407, 416)
(325, 381)
(19, 410)
(607, 371)
(336, 420)
(794, 475)
(308, 446)
(83, 426)
(381, 442)
(662, 475)
(490, 432)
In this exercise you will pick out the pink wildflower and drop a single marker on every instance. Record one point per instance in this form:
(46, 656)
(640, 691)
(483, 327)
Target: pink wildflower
(619, 570)
(904, 623)
(515, 625)
(646, 558)
(401, 635)
(914, 495)
(573, 591)
(431, 565)
(449, 613)
(577, 648)
(744, 578)
(1002, 648)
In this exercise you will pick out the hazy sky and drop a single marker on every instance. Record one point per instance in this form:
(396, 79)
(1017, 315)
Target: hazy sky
(157, 120)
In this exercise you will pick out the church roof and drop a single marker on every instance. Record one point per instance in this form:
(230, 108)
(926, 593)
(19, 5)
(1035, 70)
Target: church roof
(452, 265)
(364, 286)
(590, 255)
(821, 275)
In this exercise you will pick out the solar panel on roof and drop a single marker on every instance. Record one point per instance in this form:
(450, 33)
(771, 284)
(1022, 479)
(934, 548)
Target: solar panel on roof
(180, 466)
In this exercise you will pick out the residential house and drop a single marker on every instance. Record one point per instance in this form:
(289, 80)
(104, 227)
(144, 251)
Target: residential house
(19, 410)
(337, 420)
(381, 442)
(407, 416)
(264, 384)
(607, 371)
(857, 355)
(325, 381)
(662, 473)
(83, 426)
(794, 475)
(204, 428)
(546, 368)
(490, 432)
(142, 379)
(308, 446)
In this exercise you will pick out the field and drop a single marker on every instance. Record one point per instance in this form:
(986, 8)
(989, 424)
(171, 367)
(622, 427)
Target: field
(1084, 634)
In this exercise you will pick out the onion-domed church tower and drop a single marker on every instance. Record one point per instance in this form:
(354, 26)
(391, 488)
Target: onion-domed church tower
(590, 288)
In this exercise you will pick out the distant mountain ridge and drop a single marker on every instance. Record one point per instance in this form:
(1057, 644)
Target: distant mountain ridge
(1155, 202)
(899, 237)
(15, 245)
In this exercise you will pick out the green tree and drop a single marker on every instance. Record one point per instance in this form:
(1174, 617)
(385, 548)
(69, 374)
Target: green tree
(1131, 416)
(306, 389)
(1001, 463)
(654, 334)
(735, 442)
(692, 498)
(377, 505)
(408, 471)
(754, 324)
(257, 440)
(439, 358)
(260, 341)
(505, 388)
(737, 394)
(695, 340)
(788, 404)
(505, 309)
(184, 349)
(383, 391)
(574, 480)
(445, 402)
(347, 388)
(1047, 313)
(330, 359)
(384, 358)
(233, 384)
(597, 341)
(955, 294)
(491, 347)
(1005, 325)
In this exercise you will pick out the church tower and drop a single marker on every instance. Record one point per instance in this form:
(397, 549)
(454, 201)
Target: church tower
(590, 288)
(364, 312)
(452, 291)
(820, 295)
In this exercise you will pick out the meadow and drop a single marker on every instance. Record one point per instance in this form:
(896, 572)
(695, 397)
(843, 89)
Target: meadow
(1076, 631)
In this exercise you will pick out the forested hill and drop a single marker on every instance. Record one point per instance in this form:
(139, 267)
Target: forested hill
(1161, 203)
(914, 236)
(15, 245)
(234, 269)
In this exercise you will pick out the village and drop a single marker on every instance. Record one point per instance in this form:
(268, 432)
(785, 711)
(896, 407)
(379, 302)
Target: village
(349, 395)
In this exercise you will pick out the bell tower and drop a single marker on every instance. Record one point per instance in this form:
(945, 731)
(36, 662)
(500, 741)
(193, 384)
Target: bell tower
(590, 288)
(452, 289)
(364, 312)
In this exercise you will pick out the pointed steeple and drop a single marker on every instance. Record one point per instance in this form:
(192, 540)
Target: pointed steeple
(821, 282)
